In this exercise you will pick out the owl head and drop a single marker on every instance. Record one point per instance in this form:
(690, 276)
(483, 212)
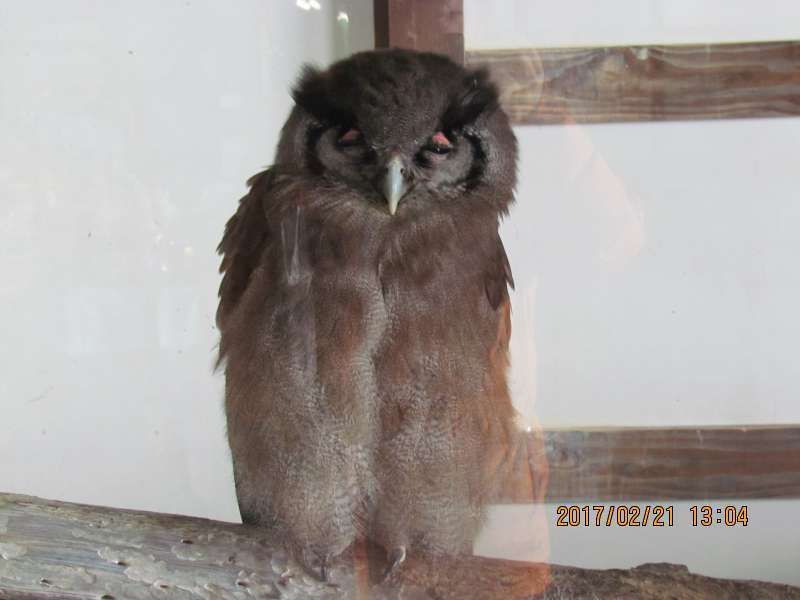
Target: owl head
(408, 130)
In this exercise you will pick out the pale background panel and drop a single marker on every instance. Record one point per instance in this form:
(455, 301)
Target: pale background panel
(128, 131)
(656, 270)
(531, 23)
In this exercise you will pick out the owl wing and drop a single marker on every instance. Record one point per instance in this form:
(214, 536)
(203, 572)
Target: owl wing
(506, 450)
(498, 276)
(245, 237)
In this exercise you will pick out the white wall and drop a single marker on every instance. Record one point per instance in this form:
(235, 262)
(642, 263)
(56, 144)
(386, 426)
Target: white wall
(656, 274)
(128, 131)
(543, 23)
(657, 282)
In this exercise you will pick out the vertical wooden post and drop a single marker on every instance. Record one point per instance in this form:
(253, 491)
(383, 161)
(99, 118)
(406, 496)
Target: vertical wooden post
(428, 25)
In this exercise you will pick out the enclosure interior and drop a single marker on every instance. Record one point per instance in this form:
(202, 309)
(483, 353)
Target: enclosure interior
(654, 260)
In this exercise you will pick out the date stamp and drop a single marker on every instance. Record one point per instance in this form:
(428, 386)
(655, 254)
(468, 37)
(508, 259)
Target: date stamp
(648, 515)
(622, 515)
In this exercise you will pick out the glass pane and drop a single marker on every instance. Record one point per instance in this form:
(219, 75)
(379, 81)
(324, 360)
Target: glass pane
(651, 283)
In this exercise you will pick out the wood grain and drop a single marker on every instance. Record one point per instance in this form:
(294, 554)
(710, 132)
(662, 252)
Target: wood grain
(626, 465)
(51, 549)
(428, 25)
(646, 83)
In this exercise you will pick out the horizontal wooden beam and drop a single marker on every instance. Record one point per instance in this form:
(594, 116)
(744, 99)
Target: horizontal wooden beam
(626, 465)
(51, 549)
(646, 83)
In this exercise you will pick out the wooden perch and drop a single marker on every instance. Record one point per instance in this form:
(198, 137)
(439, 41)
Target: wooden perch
(51, 549)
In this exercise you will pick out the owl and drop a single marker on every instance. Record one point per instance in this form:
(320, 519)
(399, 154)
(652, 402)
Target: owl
(364, 312)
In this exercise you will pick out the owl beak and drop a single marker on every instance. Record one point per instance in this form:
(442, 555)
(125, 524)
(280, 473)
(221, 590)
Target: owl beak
(394, 183)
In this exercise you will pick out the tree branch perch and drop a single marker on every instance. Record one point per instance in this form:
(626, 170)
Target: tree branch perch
(51, 549)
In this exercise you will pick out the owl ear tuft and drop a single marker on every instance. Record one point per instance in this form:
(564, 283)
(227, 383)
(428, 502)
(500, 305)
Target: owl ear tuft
(476, 96)
(312, 93)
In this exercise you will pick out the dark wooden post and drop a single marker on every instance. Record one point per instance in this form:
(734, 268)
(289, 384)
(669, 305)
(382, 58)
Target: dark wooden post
(429, 25)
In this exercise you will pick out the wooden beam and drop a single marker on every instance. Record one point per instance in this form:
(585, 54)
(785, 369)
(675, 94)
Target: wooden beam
(646, 83)
(429, 25)
(627, 465)
(52, 549)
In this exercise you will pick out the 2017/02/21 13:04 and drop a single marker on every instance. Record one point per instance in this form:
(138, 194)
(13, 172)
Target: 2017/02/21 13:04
(652, 515)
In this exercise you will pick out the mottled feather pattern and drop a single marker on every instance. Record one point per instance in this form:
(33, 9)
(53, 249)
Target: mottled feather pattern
(365, 353)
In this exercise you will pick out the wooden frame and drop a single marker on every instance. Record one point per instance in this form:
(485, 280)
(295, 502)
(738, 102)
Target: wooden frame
(545, 86)
(635, 83)
(646, 83)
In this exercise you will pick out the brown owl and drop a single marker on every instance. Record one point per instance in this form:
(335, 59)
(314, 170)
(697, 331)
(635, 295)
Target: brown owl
(364, 311)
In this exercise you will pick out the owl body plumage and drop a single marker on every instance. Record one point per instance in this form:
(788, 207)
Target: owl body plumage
(366, 351)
